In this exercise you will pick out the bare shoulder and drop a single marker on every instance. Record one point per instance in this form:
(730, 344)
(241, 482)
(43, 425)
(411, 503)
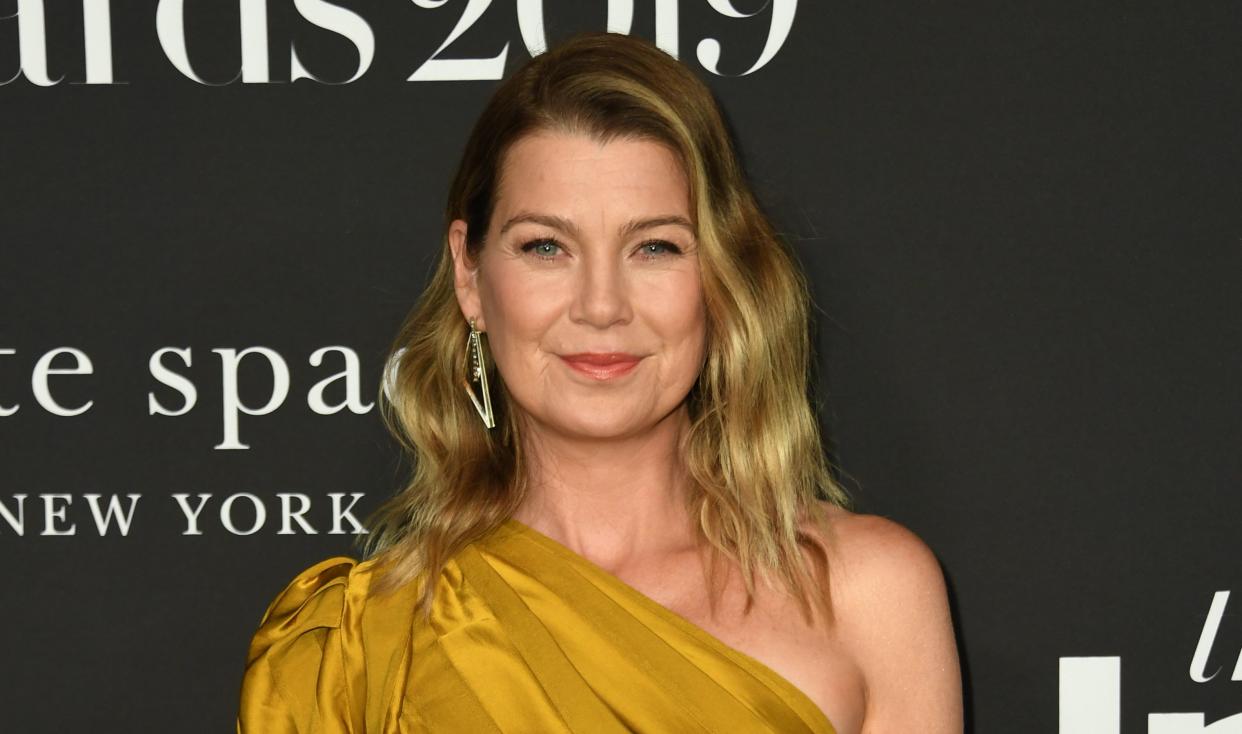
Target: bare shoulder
(874, 551)
(890, 604)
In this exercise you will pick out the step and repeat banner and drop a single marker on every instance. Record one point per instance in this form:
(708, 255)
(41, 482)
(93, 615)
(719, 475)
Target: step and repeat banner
(1022, 226)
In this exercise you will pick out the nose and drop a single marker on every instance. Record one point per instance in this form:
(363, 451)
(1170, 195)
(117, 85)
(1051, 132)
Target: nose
(602, 296)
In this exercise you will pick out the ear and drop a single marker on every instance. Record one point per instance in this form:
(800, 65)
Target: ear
(465, 276)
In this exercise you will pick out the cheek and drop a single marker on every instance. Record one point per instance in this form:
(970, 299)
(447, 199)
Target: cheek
(681, 316)
(518, 312)
(698, 352)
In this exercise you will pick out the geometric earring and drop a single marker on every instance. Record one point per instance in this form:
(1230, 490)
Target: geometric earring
(478, 373)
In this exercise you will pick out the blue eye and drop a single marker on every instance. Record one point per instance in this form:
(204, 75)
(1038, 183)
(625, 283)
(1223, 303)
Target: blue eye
(656, 248)
(543, 249)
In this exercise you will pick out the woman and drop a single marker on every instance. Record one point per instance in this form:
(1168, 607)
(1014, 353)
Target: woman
(628, 521)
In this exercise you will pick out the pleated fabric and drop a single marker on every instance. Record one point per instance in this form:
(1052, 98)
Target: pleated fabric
(524, 636)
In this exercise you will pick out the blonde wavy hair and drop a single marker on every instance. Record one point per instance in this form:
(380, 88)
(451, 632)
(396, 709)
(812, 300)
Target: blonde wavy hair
(753, 450)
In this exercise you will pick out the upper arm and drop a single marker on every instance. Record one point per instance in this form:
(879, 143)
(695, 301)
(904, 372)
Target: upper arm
(901, 630)
(290, 672)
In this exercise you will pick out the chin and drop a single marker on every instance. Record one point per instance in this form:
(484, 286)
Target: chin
(598, 425)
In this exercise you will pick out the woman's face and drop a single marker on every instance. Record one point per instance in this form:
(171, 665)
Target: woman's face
(588, 284)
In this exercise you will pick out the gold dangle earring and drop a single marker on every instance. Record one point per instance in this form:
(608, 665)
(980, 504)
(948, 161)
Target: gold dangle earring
(478, 373)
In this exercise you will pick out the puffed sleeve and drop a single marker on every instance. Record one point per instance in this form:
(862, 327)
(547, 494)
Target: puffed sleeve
(298, 668)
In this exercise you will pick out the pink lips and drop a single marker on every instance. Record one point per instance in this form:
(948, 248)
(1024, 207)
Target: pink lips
(602, 366)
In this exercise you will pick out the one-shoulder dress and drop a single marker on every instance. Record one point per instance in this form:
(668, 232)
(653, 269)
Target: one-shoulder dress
(524, 635)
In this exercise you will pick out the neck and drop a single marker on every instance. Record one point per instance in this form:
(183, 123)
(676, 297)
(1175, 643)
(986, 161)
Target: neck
(612, 501)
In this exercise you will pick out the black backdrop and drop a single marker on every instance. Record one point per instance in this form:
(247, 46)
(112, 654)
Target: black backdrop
(1022, 224)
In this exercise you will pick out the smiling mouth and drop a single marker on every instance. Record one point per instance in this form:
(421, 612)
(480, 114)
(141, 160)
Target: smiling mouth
(598, 366)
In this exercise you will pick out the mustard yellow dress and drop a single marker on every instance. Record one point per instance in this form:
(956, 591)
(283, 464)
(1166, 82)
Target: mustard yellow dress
(524, 636)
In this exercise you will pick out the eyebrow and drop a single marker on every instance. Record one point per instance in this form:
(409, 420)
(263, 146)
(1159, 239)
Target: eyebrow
(568, 227)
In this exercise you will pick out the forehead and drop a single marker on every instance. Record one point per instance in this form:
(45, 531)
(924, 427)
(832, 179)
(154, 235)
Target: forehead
(572, 170)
